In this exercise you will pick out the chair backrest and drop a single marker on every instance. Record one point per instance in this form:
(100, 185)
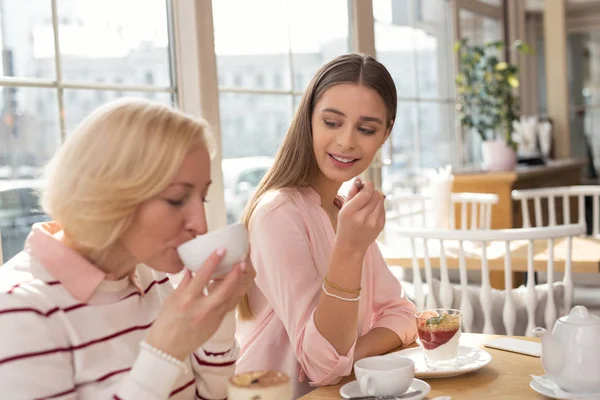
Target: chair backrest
(425, 242)
(557, 206)
(480, 206)
(1, 261)
(416, 210)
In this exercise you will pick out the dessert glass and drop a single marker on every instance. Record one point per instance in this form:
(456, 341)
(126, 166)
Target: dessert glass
(439, 332)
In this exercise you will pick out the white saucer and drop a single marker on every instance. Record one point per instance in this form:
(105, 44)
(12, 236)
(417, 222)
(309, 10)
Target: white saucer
(352, 389)
(548, 392)
(469, 359)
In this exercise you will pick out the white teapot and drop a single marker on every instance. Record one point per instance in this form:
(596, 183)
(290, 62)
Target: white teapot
(571, 352)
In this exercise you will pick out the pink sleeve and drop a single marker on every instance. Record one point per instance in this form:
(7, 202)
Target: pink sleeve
(392, 310)
(288, 278)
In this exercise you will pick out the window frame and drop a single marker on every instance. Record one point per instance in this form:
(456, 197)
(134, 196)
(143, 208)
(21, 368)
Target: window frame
(194, 79)
(60, 84)
(199, 89)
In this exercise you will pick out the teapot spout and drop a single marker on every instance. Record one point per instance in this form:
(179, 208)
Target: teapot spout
(552, 351)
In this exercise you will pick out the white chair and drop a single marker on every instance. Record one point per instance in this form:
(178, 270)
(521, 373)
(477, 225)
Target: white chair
(545, 203)
(1, 262)
(416, 210)
(423, 241)
(553, 206)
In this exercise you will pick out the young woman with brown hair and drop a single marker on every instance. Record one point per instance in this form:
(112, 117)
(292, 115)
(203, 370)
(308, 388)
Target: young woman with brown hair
(324, 296)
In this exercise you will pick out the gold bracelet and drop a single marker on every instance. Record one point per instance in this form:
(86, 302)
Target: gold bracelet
(357, 298)
(341, 288)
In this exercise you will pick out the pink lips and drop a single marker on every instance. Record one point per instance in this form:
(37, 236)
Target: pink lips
(341, 164)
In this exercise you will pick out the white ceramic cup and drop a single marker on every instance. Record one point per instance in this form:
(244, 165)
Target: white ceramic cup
(384, 375)
(263, 385)
(232, 238)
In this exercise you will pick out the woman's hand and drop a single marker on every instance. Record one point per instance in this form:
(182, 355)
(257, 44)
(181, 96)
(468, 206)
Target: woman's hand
(246, 280)
(361, 219)
(191, 315)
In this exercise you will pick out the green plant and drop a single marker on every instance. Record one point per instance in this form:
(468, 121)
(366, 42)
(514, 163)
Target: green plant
(485, 87)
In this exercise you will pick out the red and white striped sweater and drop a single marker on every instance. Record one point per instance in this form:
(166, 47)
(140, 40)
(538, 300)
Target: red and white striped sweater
(67, 334)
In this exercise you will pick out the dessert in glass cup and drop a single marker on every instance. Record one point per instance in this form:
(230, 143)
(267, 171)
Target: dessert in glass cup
(439, 331)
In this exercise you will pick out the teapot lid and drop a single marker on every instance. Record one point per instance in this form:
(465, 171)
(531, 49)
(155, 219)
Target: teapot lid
(580, 315)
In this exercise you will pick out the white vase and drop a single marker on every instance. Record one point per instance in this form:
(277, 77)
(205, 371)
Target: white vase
(498, 156)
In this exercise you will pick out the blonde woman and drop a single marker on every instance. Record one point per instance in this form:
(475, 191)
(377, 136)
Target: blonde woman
(324, 296)
(87, 311)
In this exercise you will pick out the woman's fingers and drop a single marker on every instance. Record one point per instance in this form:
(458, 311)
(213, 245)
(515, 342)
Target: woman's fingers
(185, 281)
(356, 187)
(220, 297)
(203, 275)
(374, 204)
(360, 200)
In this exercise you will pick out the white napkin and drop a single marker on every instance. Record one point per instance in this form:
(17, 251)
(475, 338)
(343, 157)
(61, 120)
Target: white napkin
(440, 190)
(545, 137)
(525, 134)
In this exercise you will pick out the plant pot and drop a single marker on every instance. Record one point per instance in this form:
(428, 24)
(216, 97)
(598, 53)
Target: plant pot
(498, 156)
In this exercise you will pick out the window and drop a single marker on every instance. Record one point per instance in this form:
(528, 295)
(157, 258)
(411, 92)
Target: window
(299, 81)
(150, 78)
(477, 29)
(237, 80)
(265, 52)
(277, 83)
(291, 40)
(100, 50)
(413, 39)
(260, 80)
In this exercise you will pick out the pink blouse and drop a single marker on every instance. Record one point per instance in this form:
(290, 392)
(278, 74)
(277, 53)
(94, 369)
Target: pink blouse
(291, 239)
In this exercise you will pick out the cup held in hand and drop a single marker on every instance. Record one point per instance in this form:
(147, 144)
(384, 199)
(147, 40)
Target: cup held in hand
(232, 238)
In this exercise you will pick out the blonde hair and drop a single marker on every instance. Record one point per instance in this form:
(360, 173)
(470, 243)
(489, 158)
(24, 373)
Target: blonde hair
(295, 164)
(121, 155)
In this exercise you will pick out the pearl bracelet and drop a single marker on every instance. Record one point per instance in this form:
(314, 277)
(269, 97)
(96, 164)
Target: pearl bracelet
(147, 346)
(357, 298)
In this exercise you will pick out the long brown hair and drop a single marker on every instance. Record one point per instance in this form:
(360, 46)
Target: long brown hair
(295, 164)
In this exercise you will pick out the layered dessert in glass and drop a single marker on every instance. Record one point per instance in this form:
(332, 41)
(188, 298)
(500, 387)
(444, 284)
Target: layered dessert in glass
(263, 385)
(439, 332)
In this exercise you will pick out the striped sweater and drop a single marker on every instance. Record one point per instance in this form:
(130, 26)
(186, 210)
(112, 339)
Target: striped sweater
(68, 333)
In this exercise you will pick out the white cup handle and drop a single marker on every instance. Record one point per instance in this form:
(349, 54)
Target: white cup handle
(366, 386)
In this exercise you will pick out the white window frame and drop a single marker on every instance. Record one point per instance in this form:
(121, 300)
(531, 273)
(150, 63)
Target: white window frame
(444, 58)
(197, 79)
(60, 84)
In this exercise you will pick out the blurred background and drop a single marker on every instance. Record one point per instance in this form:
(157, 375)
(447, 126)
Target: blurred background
(244, 64)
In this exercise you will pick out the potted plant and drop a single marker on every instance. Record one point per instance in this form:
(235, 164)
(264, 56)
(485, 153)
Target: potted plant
(487, 103)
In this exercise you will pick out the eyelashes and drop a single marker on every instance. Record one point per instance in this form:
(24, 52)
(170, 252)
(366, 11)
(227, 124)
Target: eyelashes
(333, 125)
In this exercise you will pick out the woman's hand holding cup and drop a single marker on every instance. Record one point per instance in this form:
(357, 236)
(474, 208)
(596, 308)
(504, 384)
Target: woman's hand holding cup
(191, 315)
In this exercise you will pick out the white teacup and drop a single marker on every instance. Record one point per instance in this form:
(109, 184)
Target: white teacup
(263, 385)
(232, 238)
(384, 375)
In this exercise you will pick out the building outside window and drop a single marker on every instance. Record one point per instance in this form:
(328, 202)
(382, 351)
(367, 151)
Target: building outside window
(295, 43)
(413, 38)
